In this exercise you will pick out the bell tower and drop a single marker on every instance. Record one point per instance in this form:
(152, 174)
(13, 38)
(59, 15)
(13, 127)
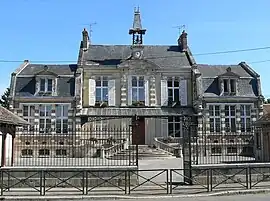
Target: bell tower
(137, 31)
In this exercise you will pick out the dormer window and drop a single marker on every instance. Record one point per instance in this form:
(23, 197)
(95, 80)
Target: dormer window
(46, 85)
(229, 86)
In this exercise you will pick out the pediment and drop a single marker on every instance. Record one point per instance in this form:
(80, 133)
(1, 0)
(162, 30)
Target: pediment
(229, 73)
(46, 72)
(138, 65)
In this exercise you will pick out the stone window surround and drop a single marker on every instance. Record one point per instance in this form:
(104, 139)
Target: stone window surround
(36, 117)
(46, 77)
(246, 116)
(174, 81)
(216, 118)
(137, 88)
(228, 83)
(175, 122)
(222, 105)
(62, 117)
(102, 87)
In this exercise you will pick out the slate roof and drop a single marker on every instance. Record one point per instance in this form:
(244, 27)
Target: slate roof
(164, 56)
(7, 117)
(65, 69)
(216, 70)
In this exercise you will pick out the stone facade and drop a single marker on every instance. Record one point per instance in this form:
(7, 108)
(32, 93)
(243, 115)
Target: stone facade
(230, 101)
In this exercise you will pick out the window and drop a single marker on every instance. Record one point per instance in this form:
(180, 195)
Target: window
(45, 85)
(229, 86)
(216, 150)
(27, 152)
(173, 91)
(101, 89)
(214, 114)
(61, 118)
(61, 152)
(174, 126)
(230, 124)
(29, 115)
(231, 150)
(138, 89)
(45, 118)
(245, 111)
(44, 152)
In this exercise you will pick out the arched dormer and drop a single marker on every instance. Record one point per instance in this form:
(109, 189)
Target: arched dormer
(46, 82)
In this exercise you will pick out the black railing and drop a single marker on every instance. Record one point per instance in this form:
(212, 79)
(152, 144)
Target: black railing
(82, 147)
(116, 181)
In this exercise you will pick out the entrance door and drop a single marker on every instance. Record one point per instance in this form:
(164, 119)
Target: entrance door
(138, 135)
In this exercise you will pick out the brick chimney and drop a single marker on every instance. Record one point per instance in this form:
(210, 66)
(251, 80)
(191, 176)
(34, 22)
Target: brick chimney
(85, 40)
(182, 41)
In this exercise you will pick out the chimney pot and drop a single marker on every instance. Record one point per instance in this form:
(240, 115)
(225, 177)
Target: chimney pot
(182, 41)
(26, 61)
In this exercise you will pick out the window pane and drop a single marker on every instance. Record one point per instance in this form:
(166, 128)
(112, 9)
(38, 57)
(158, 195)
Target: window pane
(177, 129)
(243, 124)
(169, 82)
(211, 110)
(218, 124)
(105, 94)
(42, 110)
(134, 94)
(48, 110)
(98, 94)
(65, 110)
(98, 82)
(233, 125)
(170, 93)
(58, 110)
(248, 110)
(226, 86)
(32, 110)
(49, 85)
(176, 83)
(248, 125)
(242, 110)
(65, 125)
(42, 84)
(105, 81)
(176, 95)
(232, 82)
(141, 81)
(141, 94)
(217, 112)
(171, 130)
(134, 81)
(212, 125)
(58, 125)
(25, 110)
(232, 110)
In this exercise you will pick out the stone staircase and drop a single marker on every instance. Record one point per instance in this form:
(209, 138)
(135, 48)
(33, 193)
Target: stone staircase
(145, 152)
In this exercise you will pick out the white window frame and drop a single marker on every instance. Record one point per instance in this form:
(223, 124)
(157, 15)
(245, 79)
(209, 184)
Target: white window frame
(60, 152)
(173, 88)
(63, 118)
(215, 117)
(245, 116)
(46, 82)
(230, 117)
(175, 123)
(46, 118)
(45, 152)
(138, 88)
(29, 153)
(29, 118)
(103, 80)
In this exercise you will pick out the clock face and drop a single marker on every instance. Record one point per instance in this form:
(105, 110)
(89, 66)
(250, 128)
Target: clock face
(137, 54)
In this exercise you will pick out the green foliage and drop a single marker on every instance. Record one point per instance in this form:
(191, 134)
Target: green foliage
(4, 101)
(267, 101)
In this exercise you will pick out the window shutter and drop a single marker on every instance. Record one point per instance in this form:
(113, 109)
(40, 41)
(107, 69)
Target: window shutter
(111, 92)
(183, 92)
(146, 91)
(129, 90)
(92, 92)
(164, 93)
(54, 86)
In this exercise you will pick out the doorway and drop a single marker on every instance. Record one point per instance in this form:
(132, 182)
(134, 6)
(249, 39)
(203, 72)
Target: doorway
(138, 135)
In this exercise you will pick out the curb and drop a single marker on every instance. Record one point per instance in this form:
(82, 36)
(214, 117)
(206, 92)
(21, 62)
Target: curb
(117, 197)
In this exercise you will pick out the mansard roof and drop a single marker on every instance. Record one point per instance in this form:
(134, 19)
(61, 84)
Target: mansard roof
(164, 56)
(212, 71)
(58, 69)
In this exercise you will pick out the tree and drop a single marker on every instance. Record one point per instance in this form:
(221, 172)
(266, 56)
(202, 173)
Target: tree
(4, 101)
(267, 101)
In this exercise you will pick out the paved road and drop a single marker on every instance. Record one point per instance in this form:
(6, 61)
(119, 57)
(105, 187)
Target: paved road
(258, 197)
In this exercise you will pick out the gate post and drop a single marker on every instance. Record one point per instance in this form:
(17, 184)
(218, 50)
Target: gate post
(185, 127)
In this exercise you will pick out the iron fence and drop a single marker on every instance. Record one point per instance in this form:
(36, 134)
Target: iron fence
(96, 146)
(215, 148)
(117, 181)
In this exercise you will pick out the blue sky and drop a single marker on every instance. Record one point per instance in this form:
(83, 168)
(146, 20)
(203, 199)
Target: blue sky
(46, 30)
